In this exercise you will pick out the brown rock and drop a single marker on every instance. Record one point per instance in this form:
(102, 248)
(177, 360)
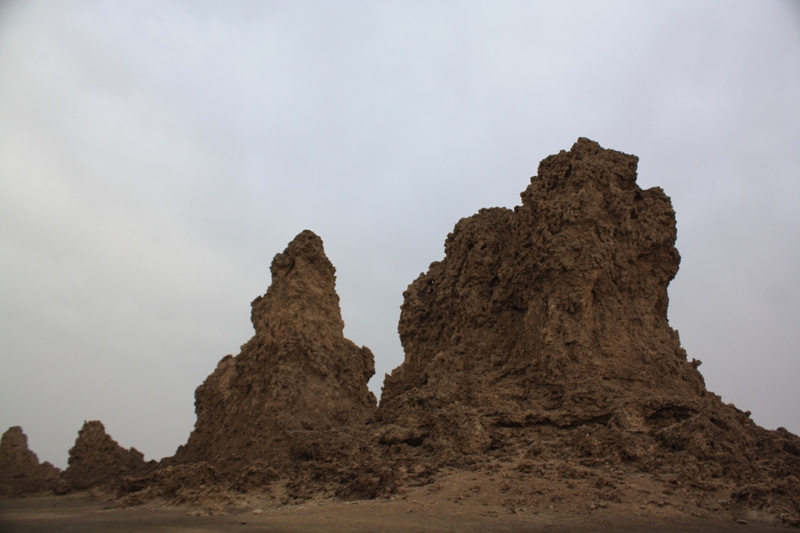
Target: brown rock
(172, 481)
(297, 374)
(20, 470)
(538, 352)
(553, 312)
(97, 460)
(543, 333)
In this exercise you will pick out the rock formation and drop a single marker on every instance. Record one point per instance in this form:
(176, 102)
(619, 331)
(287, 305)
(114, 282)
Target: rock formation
(538, 347)
(543, 335)
(297, 374)
(554, 312)
(97, 460)
(20, 470)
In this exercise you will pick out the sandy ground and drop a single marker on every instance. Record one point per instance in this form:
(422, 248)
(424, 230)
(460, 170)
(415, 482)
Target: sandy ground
(493, 499)
(81, 513)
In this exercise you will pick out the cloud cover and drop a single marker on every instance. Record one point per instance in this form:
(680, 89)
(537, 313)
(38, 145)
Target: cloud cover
(154, 156)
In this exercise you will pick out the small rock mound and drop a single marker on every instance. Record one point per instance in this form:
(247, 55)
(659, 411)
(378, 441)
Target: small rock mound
(20, 470)
(179, 483)
(97, 460)
(297, 374)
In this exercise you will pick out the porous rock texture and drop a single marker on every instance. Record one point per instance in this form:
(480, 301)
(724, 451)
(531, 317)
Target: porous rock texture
(542, 335)
(554, 312)
(97, 460)
(20, 470)
(540, 370)
(298, 374)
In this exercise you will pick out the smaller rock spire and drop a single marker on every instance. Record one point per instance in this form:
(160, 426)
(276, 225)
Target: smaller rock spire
(97, 460)
(20, 470)
(297, 373)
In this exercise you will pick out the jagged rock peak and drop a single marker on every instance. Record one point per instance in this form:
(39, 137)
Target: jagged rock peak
(97, 460)
(302, 297)
(20, 470)
(14, 451)
(558, 307)
(543, 333)
(297, 373)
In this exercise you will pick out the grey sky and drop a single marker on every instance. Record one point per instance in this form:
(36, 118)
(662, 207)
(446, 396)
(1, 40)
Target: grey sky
(155, 155)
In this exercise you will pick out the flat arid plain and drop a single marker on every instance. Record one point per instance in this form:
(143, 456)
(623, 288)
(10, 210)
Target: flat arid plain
(456, 506)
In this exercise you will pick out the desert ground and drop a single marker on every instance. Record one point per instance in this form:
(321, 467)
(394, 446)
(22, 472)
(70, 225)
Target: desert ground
(457, 502)
(86, 514)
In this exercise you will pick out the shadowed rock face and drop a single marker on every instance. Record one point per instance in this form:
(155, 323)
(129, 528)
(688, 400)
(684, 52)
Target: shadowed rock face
(297, 373)
(20, 470)
(97, 460)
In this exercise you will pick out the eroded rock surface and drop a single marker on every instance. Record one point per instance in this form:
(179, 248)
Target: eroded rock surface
(543, 335)
(97, 460)
(554, 311)
(297, 374)
(540, 370)
(20, 470)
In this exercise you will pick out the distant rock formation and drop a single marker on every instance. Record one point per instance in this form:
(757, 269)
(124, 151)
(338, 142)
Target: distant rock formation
(297, 373)
(97, 460)
(20, 470)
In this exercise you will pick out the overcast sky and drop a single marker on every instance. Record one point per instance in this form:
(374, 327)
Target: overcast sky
(155, 156)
